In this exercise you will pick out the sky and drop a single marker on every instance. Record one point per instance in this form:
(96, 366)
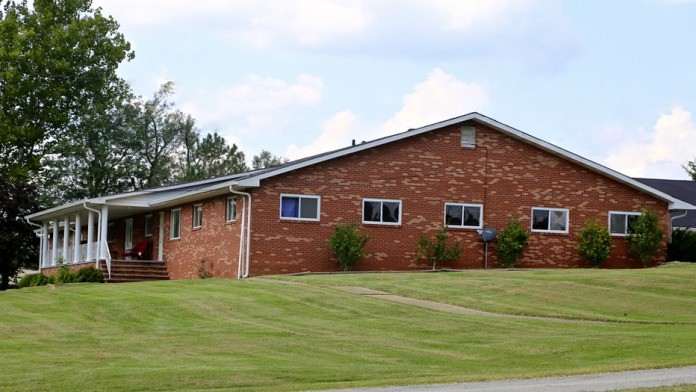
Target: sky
(614, 81)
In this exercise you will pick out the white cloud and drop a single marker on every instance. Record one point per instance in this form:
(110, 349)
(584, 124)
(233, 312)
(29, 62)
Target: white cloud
(334, 133)
(464, 15)
(255, 103)
(439, 96)
(660, 152)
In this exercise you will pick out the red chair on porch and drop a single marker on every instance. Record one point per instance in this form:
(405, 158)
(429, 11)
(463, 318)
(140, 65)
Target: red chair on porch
(139, 251)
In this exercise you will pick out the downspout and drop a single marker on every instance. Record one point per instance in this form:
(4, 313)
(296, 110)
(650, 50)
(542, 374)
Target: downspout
(99, 239)
(243, 270)
(671, 223)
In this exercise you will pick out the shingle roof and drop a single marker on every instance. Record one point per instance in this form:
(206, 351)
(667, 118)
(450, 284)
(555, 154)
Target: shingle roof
(681, 189)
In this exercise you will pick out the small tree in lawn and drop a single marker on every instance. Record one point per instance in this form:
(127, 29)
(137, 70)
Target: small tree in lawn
(437, 250)
(645, 237)
(511, 243)
(348, 244)
(595, 243)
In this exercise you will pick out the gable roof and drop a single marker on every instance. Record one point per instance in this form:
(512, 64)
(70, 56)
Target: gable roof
(166, 195)
(683, 190)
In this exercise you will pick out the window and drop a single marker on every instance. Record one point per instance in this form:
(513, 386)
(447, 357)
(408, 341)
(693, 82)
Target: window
(148, 225)
(621, 222)
(128, 242)
(175, 224)
(197, 219)
(468, 137)
(382, 211)
(466, 216)
(231, 209)
(550, 220)
(300, 207)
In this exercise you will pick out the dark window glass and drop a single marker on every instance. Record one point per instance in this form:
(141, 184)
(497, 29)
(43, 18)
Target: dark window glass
(472, 216)
(231, 209)
(372, 211)
(540, 220)
(617, 224)
(453, 215)
(631, 221)
(390, 212)
(148, 225)
(290, 207)
(309, 208)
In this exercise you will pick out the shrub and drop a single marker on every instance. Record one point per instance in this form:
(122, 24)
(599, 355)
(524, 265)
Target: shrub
(436, 250)
(348, 244)
(595, 243)
(511, 243)
(64, 275)
(34, 280)
(89, 274)
(683, 246)
(645, 237)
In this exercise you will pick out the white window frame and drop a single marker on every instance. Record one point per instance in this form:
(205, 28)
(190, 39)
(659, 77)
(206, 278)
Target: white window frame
(194, 210)
(299, 207)
(626, 214)
(128, 234)
(171, 223)
(463, 205)
(227, 209)
(148, 217)
(362, 212)
(549, 209)
(461, 136)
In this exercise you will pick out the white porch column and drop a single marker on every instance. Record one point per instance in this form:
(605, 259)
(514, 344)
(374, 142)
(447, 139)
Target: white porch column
(66, 239)
(90, 235)
(76, 239)
(54, 243)
(44, 245)
(103, 232)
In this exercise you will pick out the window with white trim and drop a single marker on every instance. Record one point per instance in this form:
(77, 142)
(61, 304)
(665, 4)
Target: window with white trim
(197, 216)
(621, 222)
(382, 211)
(300, 207)
(148, 225)
(175, 224)
(231, 209)
(464, 216)
(550, 220)
(468, 136)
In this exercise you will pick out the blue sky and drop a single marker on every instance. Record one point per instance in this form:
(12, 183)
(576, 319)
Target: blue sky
(612, 80)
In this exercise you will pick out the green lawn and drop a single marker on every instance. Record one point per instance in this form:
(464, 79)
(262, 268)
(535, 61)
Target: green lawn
(264, 334)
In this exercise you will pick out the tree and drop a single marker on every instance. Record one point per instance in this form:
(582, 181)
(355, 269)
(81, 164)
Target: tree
(437, 250)
(690, 168)
(266, 159)
(645, 237)
(511, 243)
(159, 130)
(18, 244)
(594, 243)
(348, 244)
(208, 157)
(58, 63)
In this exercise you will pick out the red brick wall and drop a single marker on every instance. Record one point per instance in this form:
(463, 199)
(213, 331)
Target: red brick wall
(213, 248)
(506, 175)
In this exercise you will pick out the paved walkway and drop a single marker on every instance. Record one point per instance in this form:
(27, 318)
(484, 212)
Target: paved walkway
(588, 383)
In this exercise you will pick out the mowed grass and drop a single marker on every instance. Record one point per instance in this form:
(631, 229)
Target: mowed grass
(664, 294)
(304, 333)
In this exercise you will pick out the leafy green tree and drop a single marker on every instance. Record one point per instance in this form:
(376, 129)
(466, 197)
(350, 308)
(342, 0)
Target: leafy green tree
(437, 250)
(690, 168)
(348, 244)
(594, 243)
(208, 157)
(18, 244)
(266, 159)
(511, 243)
(645, 237)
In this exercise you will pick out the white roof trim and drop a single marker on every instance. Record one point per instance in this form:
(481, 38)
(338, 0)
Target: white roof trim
(506, 129)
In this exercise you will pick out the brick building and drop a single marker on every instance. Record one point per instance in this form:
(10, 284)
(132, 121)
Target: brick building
(466, 173)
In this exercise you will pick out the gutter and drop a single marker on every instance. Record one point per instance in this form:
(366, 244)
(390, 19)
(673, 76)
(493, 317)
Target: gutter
(244, 238)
